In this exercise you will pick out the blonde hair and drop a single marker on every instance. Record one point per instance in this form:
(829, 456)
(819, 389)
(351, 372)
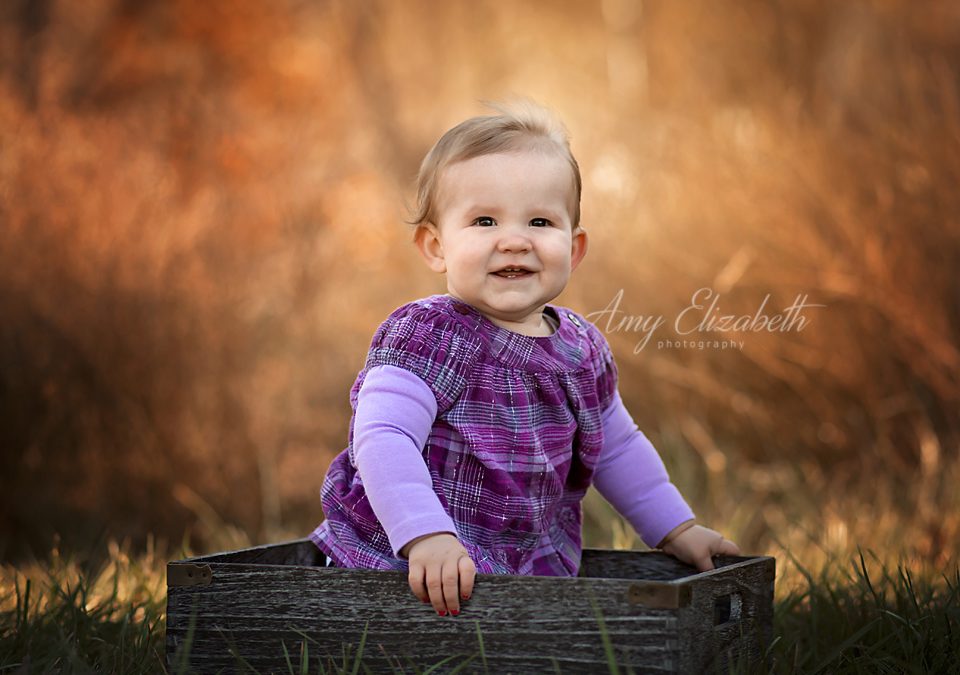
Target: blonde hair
(521, 125)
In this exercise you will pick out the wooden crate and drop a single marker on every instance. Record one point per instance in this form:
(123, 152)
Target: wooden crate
(658, 614)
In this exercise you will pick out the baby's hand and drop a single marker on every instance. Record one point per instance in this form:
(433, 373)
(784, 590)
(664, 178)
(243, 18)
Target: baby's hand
(441, 572)
(695, 545)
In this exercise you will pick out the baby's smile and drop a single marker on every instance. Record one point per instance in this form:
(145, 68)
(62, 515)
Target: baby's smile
(514, 273)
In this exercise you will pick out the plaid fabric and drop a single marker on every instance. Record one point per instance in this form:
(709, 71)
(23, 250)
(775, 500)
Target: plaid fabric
(514, 445)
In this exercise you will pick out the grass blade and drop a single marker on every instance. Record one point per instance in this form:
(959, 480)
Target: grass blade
(483, 653)
(605, 638)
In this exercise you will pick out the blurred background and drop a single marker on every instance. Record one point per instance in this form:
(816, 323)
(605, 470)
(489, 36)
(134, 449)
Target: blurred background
(201, 226)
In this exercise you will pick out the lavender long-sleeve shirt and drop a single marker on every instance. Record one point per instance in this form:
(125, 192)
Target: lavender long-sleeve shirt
(513, 431)
(395, 412)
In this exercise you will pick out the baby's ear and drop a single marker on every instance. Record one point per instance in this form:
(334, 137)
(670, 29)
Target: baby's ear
(427, 239)
(578, 247)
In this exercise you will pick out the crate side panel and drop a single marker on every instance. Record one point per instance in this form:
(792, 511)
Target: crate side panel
(528, 619)
(648, 565)
(264, 651)
(737, 634)
(301, 552)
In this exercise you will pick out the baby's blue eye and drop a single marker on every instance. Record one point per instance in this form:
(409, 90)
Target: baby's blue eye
(540, 222)
(485, 221)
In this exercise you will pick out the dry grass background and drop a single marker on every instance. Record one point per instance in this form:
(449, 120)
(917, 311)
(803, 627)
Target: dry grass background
(201, 226)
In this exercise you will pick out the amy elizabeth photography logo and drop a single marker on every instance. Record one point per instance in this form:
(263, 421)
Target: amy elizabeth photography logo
(702, 324)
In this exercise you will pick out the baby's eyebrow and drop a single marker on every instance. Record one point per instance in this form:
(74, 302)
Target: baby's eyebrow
(549, 214)
(482, 210)
(545, 212)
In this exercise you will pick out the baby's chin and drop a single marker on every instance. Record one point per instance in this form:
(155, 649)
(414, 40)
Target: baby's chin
(516, 313)
(515, 307)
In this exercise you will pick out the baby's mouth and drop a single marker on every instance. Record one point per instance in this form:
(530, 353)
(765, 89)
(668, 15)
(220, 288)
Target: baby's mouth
(513, 272)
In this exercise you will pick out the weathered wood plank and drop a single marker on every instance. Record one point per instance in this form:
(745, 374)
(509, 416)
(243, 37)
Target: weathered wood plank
(749, 587)
(659, 615)
(649, 565)
(300, 552)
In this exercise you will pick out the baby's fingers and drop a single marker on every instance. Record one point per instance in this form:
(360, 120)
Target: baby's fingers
(451, 585)
(435, 584)
(704, 562)
(468, 573)
(720, 546)
(727, 547)
(417, 579)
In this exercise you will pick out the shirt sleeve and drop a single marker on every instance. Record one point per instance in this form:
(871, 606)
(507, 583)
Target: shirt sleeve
(394, 415)
(428, 342)
(631, 476)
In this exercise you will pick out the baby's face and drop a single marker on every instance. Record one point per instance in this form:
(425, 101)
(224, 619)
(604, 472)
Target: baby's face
(504, 236)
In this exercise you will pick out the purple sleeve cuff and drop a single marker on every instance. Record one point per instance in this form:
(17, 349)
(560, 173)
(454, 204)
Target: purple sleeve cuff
(394, 416)
(631, 476)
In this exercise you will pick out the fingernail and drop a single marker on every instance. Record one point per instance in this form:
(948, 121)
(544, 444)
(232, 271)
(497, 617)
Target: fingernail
(441, 612)
(454, 612)
(465, 597)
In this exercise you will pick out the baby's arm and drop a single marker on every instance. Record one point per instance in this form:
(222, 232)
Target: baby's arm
(395, 412)
(632, 477)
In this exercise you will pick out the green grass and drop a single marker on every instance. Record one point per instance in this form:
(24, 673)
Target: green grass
(72, 616)
(867, 618)
(853, 616)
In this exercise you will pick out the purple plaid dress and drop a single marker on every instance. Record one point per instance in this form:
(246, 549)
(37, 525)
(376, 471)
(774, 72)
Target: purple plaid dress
(513, 447)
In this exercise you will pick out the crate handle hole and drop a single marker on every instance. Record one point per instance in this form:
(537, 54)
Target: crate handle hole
(727, 608)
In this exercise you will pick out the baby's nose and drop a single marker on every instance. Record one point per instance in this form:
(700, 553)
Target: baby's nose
(513, 241)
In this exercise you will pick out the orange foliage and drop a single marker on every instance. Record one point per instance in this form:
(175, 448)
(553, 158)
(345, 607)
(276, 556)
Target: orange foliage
(201, 214)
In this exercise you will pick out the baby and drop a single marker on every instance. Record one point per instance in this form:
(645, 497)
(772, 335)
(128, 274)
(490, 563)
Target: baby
(482, 415)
